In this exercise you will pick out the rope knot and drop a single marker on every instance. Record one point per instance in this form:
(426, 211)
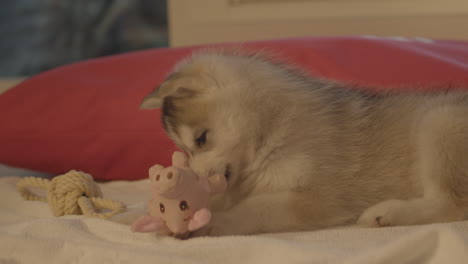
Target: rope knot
(65, 190)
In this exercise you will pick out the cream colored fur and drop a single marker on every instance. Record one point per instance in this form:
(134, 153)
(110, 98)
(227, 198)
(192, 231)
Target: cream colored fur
(303, 153)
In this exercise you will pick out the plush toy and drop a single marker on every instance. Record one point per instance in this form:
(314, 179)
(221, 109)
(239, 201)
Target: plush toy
(180, 198)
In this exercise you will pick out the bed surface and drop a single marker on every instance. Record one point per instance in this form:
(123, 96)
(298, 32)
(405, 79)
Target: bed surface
(29, 234)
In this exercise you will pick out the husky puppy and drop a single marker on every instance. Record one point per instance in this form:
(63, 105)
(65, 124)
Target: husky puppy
(302, 153)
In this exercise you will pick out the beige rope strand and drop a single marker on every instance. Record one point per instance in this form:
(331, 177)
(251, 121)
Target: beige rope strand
(40, 183)
(89, 206)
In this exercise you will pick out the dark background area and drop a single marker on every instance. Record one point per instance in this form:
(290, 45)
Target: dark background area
(37, 35)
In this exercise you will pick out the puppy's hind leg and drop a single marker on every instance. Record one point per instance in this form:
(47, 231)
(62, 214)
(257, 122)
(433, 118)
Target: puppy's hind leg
(442, 168)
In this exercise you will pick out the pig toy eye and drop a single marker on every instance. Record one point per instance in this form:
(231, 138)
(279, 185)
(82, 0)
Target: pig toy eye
(162, 208)
(183, 205)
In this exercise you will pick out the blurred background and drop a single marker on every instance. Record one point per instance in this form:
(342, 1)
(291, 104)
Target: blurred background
(37, 35)
(41, 34)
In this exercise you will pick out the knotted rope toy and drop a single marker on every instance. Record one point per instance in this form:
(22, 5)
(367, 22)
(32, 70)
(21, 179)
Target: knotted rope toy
(73, 193)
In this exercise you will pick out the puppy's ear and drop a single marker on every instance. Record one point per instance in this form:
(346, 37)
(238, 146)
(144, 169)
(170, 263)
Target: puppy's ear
(156, 98)
(152, 100)
(174, 86)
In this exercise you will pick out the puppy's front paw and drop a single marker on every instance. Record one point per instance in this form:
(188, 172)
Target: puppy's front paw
(387, 213)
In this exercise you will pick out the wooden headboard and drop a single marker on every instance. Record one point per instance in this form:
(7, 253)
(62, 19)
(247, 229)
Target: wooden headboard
(210, 21)
(7, 83)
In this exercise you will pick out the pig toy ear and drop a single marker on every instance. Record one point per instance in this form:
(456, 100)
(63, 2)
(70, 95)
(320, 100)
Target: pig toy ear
(218, 183)
(179, 159)
(147, 223)
(199, 219)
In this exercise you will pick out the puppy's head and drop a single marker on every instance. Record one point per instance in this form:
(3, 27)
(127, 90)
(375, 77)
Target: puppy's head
(206, 111)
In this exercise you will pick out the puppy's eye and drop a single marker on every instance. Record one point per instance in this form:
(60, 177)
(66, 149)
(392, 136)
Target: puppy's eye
(162, 208)
(183, 205)
(201, 140)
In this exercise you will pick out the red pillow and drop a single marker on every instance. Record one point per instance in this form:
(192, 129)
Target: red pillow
(85, 116)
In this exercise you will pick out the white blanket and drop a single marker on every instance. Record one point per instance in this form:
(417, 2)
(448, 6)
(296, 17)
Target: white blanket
(29, 234)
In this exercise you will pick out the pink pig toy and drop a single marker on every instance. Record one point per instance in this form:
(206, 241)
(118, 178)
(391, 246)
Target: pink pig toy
(180, 199)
